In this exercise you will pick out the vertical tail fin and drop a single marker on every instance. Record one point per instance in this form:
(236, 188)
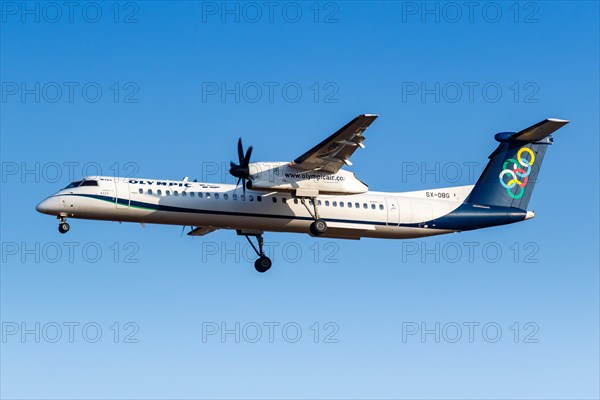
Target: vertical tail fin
(512, 171)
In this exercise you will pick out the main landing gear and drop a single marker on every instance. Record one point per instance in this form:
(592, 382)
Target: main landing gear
(319, 226)
(63, 226)
(262, 263)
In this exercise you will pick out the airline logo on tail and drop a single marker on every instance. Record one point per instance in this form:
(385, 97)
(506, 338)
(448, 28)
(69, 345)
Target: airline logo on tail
(518, 172)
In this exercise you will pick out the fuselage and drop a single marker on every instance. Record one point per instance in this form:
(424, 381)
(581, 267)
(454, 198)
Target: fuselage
(225, 206)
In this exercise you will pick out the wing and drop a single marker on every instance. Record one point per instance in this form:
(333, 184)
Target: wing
(334, 152)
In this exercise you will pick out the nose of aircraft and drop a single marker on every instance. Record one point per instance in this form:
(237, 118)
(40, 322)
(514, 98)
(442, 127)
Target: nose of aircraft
(48, 206)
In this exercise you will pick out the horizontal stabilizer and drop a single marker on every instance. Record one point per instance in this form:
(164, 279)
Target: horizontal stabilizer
(540, 130)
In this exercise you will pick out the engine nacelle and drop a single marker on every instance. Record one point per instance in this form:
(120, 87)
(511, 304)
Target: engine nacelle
(281, 176)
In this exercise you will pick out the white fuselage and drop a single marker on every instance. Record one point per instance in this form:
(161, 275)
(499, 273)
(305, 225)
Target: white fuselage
(369, 214)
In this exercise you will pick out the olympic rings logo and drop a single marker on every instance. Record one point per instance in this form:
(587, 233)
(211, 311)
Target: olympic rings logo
(518, 172)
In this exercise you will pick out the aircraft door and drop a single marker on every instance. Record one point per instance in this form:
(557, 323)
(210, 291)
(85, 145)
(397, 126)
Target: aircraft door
(122, 199)
(393, 211)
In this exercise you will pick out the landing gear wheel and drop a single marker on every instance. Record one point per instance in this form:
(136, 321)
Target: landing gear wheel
(318, 227)
(63, 227)
(262, 264)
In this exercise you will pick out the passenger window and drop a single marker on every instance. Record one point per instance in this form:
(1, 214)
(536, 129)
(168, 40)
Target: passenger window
(159, 192)
(381, 206)
(216, 196)
(283, 200)
(318, 202)
(327, 203)
(192, 194)
(184, 194)
(207, 195)
(357, 205)
(225, 196)
(365, 206)
(243, 197)
(175, 193)
(341, 204)
(235, 196)
(168, 192)
(274, 199)
(251, 197)
(141, 191)
(373, 206)
(335, 203)
(149, 191)
(349, 205)
(259, 198)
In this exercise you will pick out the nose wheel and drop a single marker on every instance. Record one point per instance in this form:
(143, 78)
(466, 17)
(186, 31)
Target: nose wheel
(262, 263)
(63, 226)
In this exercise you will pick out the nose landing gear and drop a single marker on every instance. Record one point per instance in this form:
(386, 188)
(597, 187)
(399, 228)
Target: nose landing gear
(262, 263)
(63, 226)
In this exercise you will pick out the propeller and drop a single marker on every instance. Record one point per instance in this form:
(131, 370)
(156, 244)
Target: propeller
(241, 170)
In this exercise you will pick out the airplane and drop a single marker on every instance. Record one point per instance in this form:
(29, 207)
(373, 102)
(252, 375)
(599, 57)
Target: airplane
(314, 195)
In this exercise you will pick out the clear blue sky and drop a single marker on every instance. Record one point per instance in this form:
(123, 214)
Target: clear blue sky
(165, 90)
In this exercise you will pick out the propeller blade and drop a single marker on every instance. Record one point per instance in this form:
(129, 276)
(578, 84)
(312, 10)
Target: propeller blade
(240, 151)
(247, 158)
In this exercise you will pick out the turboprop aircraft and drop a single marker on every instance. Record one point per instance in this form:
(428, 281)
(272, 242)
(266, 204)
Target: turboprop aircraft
(314, 195)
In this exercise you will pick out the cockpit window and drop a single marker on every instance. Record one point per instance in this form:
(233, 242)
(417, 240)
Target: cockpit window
(73, 184)
(89, 183)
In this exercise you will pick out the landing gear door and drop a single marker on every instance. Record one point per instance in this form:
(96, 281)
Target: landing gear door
(122, 193)
(393, 212)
